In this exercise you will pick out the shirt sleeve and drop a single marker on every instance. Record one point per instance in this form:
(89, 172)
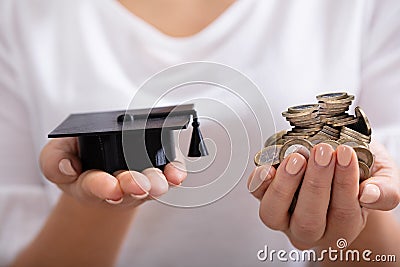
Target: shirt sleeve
(380, 73)
(23, 199)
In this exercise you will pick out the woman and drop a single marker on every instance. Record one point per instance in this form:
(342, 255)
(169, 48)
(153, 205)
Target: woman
(61, 57)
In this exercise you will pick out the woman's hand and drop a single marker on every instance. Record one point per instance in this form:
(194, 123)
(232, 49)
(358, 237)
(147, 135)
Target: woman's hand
(330, 205)
(61, 165)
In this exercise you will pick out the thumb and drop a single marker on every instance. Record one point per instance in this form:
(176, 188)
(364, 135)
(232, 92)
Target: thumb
(59, 161)
(379, 193)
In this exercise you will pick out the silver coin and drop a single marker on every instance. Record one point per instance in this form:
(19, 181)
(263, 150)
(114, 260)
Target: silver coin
(268, 155)
(301, 146)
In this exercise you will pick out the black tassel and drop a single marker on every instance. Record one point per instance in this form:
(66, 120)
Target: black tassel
(197, 146)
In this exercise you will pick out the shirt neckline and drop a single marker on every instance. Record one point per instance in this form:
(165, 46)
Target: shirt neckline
(227, 19)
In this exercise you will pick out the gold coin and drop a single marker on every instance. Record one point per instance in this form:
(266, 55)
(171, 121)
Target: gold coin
(306, 130)
(301, 146)
(316, 122)
(316, 139)
(331, 129)
(328, 132)
(345, 122)
(290, 137)
(364, 126)
(324, 135)
(334, 105)
(349, 137)
(299, 115)
(280, 141)
(352, 142)
(332, 118)
(354, 134)
(365, 172)
(273, 139)
(364, 155)
(291, 133)
(268, 155)
(330, 111)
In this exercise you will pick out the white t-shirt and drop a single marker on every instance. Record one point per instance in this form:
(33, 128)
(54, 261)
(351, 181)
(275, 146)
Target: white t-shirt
(61, 57)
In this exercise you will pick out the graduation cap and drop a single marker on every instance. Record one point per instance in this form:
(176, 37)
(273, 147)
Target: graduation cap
(133, 139)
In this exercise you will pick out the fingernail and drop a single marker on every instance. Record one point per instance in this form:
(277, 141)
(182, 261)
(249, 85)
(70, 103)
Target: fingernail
(143, 182)
(66, 168)
(260, 175)
(370, 194)
(140, 197)
(174, 185)
(114, 202)
(323, 155)
(294, 164)
(344, 154)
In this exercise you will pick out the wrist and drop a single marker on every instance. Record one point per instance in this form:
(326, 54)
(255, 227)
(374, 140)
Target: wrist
(101, 208)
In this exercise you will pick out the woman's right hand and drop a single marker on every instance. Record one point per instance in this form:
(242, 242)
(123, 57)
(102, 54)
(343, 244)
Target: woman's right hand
(60, 164)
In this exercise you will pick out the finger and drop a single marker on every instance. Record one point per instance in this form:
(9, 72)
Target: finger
(159, 183)
(134, 183)
(175, 172)
(309, 217)
(382, 190)
(59, 160)
(274, 206)
(260, 179)
(380, 193)
(344, 211)
(95, 184)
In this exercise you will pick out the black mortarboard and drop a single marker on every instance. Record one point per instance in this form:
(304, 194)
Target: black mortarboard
(132, 139)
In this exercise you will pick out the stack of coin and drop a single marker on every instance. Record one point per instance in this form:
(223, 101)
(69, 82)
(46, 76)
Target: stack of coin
(326, 122)
(333, 109)
(305, 121)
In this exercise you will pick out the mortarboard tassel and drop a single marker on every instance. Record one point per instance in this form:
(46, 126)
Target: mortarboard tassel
(197, 146)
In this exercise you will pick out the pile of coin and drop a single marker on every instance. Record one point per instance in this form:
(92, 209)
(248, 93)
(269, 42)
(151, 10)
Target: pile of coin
(327, 122)
(333, 107)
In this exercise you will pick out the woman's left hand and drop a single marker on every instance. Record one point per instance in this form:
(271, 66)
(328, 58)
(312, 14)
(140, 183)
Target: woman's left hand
(331, 203)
